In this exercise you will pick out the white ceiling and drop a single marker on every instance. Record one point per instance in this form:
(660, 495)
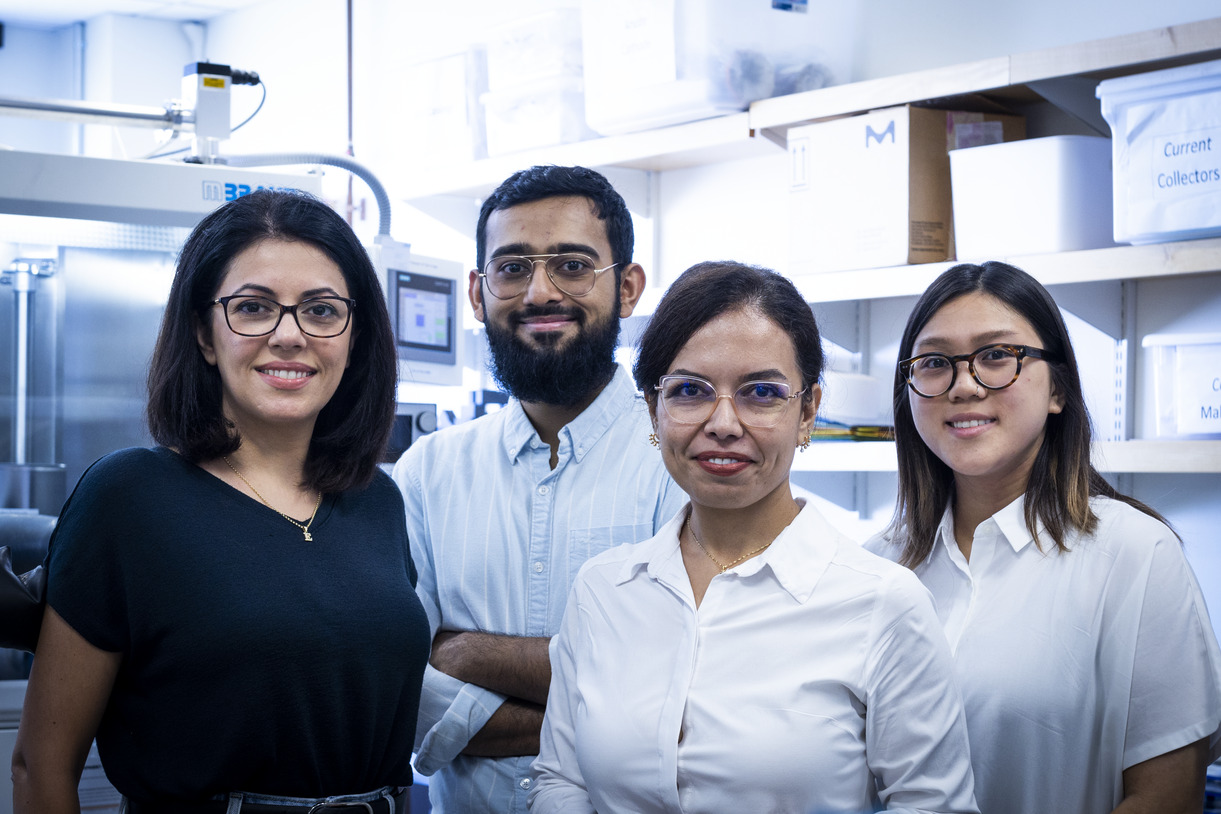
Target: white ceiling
(55, 13)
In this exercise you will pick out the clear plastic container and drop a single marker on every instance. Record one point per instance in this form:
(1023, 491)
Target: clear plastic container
(652, 63)
(1187, 384)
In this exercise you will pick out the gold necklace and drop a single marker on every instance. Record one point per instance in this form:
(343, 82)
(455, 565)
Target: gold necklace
(719, 564)
(303, 526)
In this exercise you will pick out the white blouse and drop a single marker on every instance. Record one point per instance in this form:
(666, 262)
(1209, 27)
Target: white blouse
(1073, 666)
(813, 677)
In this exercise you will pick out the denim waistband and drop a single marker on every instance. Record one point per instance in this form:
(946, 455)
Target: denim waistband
(386, 800)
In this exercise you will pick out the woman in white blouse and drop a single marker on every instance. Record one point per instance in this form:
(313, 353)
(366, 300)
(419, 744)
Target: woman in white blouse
(1088, 665)
(748, 657)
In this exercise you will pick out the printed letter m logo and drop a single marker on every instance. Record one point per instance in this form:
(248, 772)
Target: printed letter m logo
(870, 135)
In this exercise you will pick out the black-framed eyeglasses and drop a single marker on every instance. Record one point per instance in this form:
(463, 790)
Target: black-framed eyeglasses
(692, 400)
(319, 317)
(993, 367)
(573, 273)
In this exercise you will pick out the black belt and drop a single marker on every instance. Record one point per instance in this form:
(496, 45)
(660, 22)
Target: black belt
(379, 805)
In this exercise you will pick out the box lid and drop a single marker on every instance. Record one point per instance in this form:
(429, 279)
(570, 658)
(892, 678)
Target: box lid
(1158, 340)
(1201, 76)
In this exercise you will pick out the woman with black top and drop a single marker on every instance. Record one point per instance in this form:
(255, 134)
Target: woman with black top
(232, 613)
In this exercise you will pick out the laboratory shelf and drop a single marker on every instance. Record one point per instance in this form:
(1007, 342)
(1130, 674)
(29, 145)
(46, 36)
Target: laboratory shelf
(699, 143)
(1065, 75)
(1086, 266)
(1089, 265)
(1199, 457)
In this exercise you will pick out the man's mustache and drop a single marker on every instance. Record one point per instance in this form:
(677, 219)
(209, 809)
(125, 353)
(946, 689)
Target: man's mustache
(535, 311)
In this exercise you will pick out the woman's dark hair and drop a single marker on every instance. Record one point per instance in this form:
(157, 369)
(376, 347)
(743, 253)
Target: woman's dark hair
(704, 292)
(548, 181)
(184, 391)
(1062, 479)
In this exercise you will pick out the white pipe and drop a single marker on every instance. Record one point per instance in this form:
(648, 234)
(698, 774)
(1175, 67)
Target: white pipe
(23, 283)
(94, 112)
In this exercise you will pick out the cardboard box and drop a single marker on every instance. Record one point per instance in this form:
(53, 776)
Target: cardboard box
(873, 190)
(1166, 137)
(1055, 190)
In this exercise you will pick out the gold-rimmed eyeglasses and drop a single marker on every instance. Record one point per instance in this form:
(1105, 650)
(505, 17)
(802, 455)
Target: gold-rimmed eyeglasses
(319, 317)
(993, 367)
(573, 273)
(692, 400)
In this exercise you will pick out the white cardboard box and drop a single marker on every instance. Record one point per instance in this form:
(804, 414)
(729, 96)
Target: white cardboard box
(873, 190)
(1166, 136)
(1032, 197)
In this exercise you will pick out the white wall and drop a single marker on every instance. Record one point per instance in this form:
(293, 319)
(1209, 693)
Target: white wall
(39, 64)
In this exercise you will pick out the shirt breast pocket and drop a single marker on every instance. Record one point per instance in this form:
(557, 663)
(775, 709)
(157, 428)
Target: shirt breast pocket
(586, 543)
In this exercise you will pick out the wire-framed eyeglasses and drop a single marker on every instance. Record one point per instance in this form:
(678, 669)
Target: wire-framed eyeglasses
(993, 367)
(692, 400)
(573, 273)
(319, 317)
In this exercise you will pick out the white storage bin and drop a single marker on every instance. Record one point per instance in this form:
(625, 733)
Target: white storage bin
(1031, 197)
(1166, 131)
(652, 63)
(1187, 384)
(437, 112)
(536, 48)
(540, 115)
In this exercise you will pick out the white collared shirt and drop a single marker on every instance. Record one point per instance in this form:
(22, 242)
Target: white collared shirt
(813, 677)
(497, 535)
(1073, 666)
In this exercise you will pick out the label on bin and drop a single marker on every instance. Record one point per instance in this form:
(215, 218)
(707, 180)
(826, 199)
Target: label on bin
(1198, 389)
(1187, 164)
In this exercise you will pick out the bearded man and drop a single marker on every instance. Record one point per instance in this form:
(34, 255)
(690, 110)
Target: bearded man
(502, 511)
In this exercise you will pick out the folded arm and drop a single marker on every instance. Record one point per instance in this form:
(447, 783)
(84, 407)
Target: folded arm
(513, 666)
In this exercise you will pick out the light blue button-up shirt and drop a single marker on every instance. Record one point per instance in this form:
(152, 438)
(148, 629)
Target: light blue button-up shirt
(498, 536)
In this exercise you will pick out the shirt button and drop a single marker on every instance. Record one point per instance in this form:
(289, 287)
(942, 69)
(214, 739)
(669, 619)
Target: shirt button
(524, 782)
(538, 568)
(544, 489)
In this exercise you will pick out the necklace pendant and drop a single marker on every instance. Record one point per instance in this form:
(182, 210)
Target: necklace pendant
(309, 538)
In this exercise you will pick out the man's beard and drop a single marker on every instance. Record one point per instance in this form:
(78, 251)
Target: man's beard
(560, 377)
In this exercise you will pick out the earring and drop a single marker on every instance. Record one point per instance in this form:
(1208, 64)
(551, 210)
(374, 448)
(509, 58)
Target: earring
(805, 444)
(654, 440)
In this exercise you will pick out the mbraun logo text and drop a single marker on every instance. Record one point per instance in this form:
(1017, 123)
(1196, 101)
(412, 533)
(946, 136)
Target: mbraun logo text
(874, 136)
(218, 191)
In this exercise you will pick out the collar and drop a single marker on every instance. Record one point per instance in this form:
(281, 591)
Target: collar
(1009, 521)
(797, 558)
(580, 435)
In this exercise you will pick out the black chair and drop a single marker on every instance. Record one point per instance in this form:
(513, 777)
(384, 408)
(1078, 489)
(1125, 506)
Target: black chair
(24, 536)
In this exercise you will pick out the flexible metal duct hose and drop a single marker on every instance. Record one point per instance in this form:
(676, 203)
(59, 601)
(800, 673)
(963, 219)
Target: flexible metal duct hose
(343, 162)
